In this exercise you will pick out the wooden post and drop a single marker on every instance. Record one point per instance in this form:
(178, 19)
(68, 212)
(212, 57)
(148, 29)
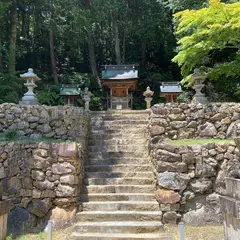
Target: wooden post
(3, 227)
(5, 207)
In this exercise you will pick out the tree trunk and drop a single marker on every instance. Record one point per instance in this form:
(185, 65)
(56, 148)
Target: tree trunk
(117, 40)
(53, 59)
(92, 57)
(13, 38)
(144, 54)
(124, 45)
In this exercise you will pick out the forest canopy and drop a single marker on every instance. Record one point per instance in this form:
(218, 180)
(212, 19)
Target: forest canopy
(69, 41)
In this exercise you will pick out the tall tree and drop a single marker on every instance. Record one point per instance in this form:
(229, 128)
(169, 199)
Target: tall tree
(13, 38)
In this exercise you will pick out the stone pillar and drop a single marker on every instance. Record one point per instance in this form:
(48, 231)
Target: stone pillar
(230, 206)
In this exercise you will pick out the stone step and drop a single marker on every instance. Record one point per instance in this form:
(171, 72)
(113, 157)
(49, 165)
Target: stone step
(109, 155)
(107, 197)
(120, 236)
(102, 142)
(124, 131)
(118, 148)
(117, 136)
(119, 189)
(113, 161)
(119, 227)
(148, 174)
(119, 121)
(119, 181)
(100, 216)
(121, 206)
(118, 168)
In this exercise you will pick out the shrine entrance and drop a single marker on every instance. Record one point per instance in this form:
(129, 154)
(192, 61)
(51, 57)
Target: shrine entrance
(121, 81)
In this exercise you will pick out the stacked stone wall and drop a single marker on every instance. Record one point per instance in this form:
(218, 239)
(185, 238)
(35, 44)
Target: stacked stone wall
(43, 181)
(191, 178)
(185, 121)
(61, 122)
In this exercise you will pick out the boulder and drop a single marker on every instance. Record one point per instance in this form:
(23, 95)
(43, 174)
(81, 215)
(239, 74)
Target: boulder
(173, 181)
(156, 130)
(166, 156)
(38, 175)
(170, 218)
(171, 167)
(207, 130)
(63, 168)
(65, 191)
(178, 124)
(20, 221)
(62, 216)
(195, 217)
(167, 196)
(69, 179)
(40, 207)
(201, 185)
(44, 185)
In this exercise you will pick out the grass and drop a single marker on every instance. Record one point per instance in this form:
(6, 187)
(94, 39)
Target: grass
(197, 233)
(24, 139)
(185, 142)
(191, 233)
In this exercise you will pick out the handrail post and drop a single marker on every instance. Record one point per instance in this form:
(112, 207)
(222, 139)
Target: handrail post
(181, 228)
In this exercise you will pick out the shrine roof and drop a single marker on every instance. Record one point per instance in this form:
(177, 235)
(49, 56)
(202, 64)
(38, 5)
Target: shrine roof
(119, 72)
(70, 90)
(170, 87)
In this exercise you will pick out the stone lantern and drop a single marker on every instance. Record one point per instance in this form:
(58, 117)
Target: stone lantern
(197, 80)
(148, 97)
(87, 98)
(29, 97)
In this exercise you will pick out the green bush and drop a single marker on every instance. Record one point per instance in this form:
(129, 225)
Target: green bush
(11, 135)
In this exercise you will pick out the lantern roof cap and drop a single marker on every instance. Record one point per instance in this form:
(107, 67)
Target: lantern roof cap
(29, 75)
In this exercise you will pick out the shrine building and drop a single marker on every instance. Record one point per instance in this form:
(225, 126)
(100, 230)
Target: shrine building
(121, 81)
(170, 91)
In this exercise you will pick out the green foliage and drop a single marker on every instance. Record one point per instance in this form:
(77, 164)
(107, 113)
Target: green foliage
(50, 96)
(176, 5)
(96, 103)
(209, 39)
(184, 97)
(10, 237)
(11, 88)
(10, 135)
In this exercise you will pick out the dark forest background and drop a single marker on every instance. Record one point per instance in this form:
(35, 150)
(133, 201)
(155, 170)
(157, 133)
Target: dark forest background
(68, 42)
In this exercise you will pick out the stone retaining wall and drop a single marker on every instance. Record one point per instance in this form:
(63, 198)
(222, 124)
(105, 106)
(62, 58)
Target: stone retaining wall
(62, 122)
(43, 181)
(191, 178)
(184, 121)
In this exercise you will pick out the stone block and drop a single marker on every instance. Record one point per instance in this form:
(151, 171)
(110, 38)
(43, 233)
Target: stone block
(167, 196)
(68, 150)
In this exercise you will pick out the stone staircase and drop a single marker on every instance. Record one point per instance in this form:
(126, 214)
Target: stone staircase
(118, 199)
